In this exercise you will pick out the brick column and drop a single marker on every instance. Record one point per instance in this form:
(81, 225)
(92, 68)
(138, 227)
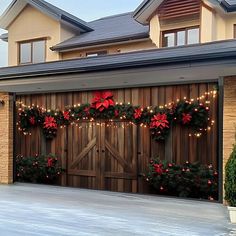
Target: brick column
(6, 139)
(229, 118)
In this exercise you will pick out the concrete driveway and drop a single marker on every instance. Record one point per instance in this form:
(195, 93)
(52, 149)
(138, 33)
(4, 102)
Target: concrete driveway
(47, 211)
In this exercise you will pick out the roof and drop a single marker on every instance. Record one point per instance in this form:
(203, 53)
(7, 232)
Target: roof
(113, 29)
(228, 5)
(18, 5)
(156, 57)
(4, 37)
(147, 7)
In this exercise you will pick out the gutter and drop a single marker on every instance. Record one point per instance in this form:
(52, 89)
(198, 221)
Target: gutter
(219, 56)
(99, 42)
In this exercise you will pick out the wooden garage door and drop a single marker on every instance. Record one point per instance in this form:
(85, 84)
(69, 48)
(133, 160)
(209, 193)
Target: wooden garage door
(103, 157)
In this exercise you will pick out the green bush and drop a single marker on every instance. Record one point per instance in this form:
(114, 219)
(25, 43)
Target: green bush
(230, 179)
(188, 180)
(38, 169)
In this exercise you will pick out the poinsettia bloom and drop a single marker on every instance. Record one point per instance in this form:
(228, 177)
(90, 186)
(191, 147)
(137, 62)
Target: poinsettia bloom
(209, 182)
(170, 164)
(160, 121)
(138, 113)
(186, 118)
(32, 120)
(66, 115)
(161, 188)
(50, 162)
(158, 168)
(116, 113)
(103, 100)
(49, 122)
(87, 110)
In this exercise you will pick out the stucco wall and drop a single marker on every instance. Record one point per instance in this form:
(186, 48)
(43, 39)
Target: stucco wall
(32, 24)
(121, 48)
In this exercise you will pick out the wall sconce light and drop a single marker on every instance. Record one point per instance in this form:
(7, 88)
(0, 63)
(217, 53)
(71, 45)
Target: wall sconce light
(2, 103)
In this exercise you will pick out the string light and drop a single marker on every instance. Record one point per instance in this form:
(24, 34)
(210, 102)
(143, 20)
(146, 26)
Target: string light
(205, 95)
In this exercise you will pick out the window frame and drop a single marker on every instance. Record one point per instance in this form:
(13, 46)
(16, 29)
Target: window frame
(31, 50)
(99, 53)
(234, 31)
(175, 31)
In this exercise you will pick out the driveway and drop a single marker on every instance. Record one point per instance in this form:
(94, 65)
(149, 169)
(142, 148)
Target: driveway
(40, 210)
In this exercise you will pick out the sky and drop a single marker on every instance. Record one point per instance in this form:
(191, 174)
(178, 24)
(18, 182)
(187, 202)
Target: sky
(85, 9)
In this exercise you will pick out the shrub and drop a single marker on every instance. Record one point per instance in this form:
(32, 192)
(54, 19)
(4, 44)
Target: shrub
(187, 180)
(38, 169)
(230, 179)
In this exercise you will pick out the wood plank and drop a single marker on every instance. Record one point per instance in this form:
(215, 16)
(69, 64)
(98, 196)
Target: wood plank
(85, 151)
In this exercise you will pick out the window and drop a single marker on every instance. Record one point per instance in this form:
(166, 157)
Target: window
(180, 37)
(95, 54)
(32, 52)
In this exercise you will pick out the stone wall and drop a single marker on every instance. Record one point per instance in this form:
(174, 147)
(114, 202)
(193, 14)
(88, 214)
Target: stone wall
(229, 127)
(6, 139)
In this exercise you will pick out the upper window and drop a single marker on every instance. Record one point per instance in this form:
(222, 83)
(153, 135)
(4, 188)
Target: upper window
(32, 52)
(95, 54)
(180, 37)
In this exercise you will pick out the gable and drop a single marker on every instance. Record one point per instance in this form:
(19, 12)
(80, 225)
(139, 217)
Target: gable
(46, 8)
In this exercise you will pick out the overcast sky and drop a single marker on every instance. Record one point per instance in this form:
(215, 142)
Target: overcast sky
(85, 9)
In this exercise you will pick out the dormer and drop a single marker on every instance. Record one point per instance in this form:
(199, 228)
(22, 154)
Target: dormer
(34, 26)
(185, 22)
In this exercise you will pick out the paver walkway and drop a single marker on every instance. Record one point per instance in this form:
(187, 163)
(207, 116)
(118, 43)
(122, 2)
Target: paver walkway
(39, 210)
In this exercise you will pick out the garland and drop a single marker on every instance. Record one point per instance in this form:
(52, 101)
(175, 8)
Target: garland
(103, 107)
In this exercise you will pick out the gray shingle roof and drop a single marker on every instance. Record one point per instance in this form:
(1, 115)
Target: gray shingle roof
(186, 54)
(228, 5)
(106, 30)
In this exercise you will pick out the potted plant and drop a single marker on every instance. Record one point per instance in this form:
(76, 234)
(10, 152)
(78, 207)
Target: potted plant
(230, 185)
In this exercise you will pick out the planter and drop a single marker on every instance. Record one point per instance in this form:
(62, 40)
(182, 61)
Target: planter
(232, 214)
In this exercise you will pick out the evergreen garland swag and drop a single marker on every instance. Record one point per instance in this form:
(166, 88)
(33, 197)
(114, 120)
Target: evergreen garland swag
(103, 107)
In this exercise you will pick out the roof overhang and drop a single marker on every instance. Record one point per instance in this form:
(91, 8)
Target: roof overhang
(4, 37)
(17, 6)
(148, 7)
(104, 42)
(145, 10)
(192, 64)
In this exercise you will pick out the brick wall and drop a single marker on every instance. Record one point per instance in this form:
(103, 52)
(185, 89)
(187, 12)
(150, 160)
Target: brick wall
(229, 129)
(6, 139)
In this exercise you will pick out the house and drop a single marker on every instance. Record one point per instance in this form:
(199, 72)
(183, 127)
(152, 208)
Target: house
(162, 52)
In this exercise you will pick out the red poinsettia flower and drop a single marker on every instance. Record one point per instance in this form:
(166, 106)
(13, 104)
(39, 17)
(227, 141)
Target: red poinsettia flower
(86, 110)
(66, 115)
(186, 118)
(49, 122)
(32, 120)
(116, 113)
(137, 113)
(158, 168)
(50, 162)
(103, 100)
(160, 121)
